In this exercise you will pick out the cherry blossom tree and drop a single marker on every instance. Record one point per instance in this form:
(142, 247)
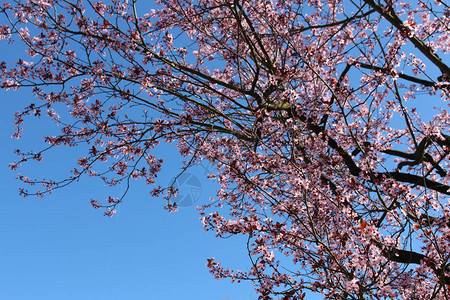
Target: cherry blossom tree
(315, 115)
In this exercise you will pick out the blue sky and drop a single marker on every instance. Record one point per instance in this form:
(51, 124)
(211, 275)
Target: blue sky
(59, 247)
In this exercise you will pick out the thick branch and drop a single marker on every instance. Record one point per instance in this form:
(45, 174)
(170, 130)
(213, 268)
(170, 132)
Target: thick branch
(353, 167)
(392, 18)
(402, 256)
(411, 257)
(342, 22)
(417, 180)
(403, 76)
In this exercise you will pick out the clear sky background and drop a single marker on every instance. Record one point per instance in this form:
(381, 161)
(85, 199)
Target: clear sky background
(59, 247)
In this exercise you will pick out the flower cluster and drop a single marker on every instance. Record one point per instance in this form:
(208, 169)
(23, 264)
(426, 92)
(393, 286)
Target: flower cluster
(327, 159)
